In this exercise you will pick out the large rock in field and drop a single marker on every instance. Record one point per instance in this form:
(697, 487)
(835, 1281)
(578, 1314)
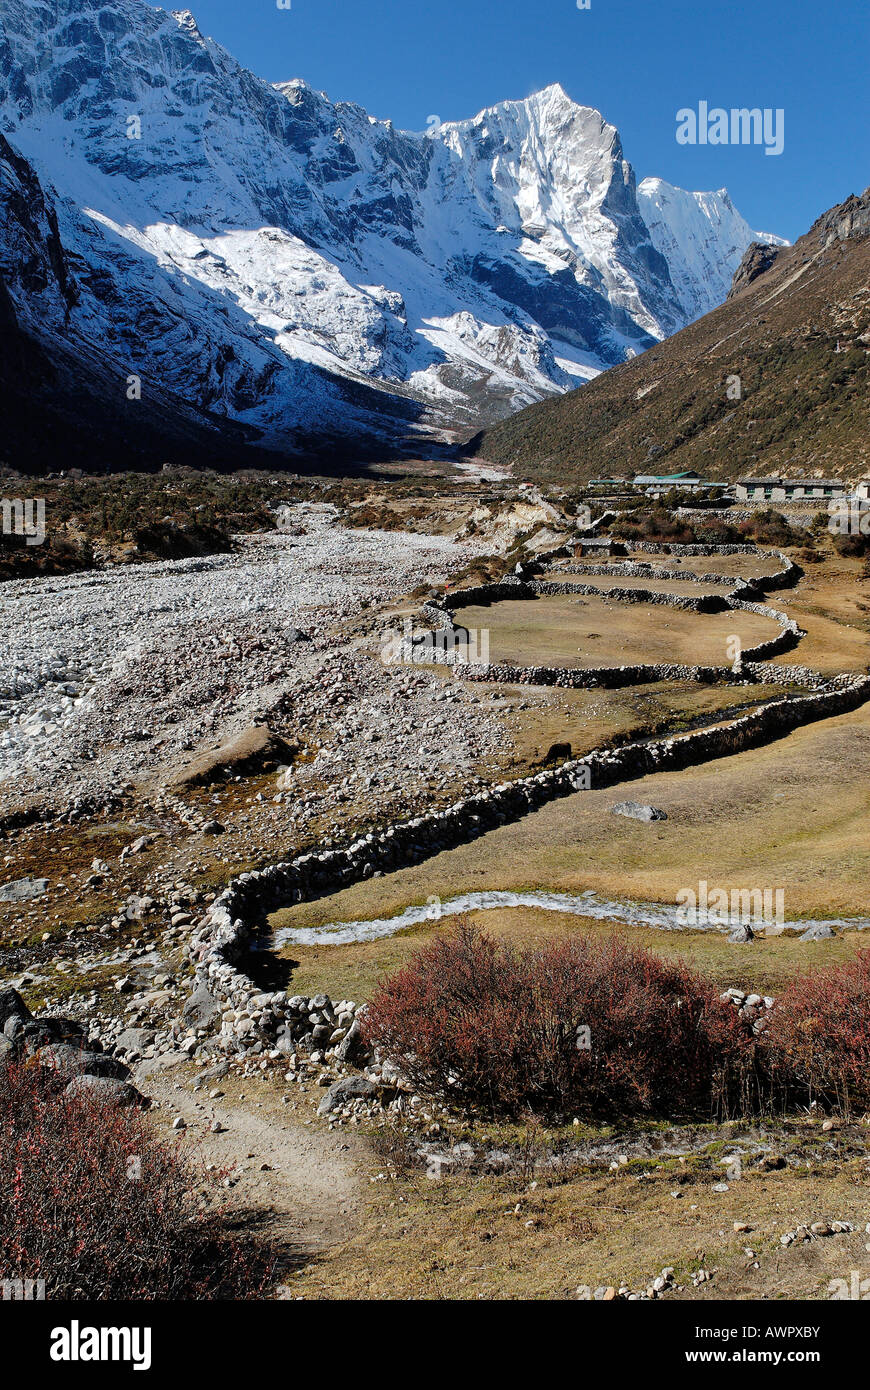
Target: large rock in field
(106, 1089)
(741, 933)
(636, 811)
(12, 1007)
(21, 890)
(819, 931)
(201, 1008)
(43, 1032)
(134, 1039)
(72, 1061)
(348, 1088)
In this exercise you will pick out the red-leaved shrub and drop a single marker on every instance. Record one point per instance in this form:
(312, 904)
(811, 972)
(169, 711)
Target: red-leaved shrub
(817, 1043)
(478, 1022)
(97, 1205)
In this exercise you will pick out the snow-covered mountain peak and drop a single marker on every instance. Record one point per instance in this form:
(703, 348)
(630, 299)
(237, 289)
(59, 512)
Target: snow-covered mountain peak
(187, 22)
(701, 234)
(279, 258)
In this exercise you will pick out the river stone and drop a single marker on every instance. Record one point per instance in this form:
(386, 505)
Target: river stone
(348, 1088)
(819, 931)
(638, 812)
(22, 889)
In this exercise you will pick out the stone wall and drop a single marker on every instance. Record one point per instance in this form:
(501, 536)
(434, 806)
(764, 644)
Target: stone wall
(787, 578)
(524, 585)
(598, 677)
(222, 938)
(705, 603)
(253, 1019)
(665, 548)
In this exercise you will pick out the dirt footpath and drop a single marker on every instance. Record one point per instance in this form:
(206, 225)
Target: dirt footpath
(298, 1182)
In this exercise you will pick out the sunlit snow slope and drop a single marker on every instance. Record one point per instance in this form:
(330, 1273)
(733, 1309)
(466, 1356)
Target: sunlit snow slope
(291, 264)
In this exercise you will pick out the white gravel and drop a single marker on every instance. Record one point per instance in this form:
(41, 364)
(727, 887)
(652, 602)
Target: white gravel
(160, 655)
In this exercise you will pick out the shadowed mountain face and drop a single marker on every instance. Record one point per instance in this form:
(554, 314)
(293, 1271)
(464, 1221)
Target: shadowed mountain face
(268, 261)
(64, 403)
(776, 380)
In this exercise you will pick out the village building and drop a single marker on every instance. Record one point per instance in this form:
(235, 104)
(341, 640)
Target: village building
(597, 545)
(789, 489)
(687, 481)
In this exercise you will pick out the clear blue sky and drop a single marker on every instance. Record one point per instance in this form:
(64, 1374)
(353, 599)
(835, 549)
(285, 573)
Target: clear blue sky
(637, 61)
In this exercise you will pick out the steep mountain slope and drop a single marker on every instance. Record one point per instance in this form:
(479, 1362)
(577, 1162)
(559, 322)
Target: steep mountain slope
(271, 258)
(701, 236)
(60, 405)
(792, 338)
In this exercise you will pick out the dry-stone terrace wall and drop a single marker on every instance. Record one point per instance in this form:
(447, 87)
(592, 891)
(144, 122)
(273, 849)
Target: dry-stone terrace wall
(674, 548)
(252, 1020)
(523, 585)
(705, 603)
(639, 569)
(787, 577)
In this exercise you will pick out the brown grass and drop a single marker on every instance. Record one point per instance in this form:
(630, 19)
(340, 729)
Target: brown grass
(498, 1238)
(590, 631)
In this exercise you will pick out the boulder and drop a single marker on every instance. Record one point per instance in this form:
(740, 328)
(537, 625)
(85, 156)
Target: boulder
(106, 1089)
(134, 1039)
(348, 1088)
(22, 889)
(636, 811)
(43, 1032)
(201, 1008)
(12, 1006)
(819, 931)
(741, 933)
(72, 1061)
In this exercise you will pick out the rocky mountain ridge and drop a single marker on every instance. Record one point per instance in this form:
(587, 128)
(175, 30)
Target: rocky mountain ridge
(263, 256)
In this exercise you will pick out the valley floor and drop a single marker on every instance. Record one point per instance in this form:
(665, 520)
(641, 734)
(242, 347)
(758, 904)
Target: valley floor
(171, 725)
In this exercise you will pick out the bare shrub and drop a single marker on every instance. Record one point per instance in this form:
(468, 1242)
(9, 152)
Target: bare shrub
(817, 1043)
(97, 1205)
(480, 1023)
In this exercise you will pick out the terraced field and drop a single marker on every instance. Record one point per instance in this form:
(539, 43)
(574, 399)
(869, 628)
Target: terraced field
(791, 814)
(591, 631)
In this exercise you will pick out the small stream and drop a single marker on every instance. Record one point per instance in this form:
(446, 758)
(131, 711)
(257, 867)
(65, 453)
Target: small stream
(664, 916)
